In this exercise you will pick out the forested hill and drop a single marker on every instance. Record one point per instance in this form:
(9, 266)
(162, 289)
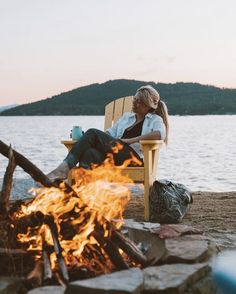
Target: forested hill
(181, 98)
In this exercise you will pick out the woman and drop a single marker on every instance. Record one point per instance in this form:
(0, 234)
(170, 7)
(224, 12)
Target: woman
(147, 121)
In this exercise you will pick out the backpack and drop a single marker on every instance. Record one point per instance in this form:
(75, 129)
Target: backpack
(169, 201)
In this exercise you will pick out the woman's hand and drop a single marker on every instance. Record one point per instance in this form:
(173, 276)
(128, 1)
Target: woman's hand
(155, 135)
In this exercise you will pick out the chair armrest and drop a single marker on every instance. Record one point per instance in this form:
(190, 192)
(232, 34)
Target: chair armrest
(151, 144)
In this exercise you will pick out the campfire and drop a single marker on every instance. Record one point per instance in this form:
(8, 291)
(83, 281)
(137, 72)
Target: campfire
(65, 232)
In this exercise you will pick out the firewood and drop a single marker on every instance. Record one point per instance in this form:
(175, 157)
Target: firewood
(7, 185)
(46, 251)
(129, 248)
(27, 166)
(49, 220)
(110, 248)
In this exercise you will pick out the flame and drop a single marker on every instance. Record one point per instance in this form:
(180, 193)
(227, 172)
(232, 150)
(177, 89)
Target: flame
(101, 195)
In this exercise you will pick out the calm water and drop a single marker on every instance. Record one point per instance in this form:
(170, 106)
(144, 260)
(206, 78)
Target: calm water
(201, 153)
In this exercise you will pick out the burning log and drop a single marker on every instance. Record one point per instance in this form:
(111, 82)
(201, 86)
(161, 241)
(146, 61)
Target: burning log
(110, 248)
(129, 248)
(7, 185)
(46, 251)
(37, 219)
(49, 220)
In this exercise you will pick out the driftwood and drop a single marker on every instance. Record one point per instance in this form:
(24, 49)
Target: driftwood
(27, 166)
(7, 185)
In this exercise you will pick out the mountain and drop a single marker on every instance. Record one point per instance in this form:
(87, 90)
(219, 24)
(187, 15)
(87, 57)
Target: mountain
(2, 108)
(181, 99)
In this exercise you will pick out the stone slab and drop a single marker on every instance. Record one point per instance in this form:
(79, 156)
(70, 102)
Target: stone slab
(186, 249)
(9, 285)
(204, 286)
(48, 290)
(171, 231)
(173, 278)
(140, 233)
(122, 282)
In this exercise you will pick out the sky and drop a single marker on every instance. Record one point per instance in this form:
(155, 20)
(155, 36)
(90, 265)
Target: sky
(53, 46)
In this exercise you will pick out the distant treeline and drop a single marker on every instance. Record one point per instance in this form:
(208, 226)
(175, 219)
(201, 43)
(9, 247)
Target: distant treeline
(181, 99)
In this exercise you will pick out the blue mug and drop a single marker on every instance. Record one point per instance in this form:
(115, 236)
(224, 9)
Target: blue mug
(76, 133)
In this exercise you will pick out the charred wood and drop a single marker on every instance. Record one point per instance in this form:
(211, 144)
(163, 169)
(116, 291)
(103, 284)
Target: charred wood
(7, 185)
(46, 251)
(129, 247)
(110, 248)
(49, 220)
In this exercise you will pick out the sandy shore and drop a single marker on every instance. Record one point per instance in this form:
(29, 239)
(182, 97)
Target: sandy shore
(213, 212)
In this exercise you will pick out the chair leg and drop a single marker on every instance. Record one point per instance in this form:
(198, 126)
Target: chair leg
(148, 178)
(70, 177)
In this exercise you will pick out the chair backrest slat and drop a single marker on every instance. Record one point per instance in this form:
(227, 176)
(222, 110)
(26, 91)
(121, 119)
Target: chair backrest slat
(115, 109)
(118, 111)
(128, 101)
(109, 113)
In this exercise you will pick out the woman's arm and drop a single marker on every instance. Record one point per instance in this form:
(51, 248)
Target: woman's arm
(150, 136)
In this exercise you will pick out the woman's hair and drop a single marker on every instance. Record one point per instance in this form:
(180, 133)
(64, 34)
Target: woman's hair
(150, 97)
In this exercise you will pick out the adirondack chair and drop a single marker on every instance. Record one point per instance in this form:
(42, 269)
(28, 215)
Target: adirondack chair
(147, 173)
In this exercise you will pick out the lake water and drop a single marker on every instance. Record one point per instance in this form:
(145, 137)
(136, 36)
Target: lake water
(201, 153)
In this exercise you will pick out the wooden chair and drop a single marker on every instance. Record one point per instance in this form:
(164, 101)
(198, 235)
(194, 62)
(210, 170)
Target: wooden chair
(147, 173)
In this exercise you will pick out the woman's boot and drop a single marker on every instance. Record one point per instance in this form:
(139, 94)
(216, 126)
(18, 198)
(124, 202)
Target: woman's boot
(59, 173)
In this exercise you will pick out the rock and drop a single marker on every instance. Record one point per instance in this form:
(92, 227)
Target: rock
(151, 245)
(127, 281)
(171, 231)
(174, 278)
(187, 249)
(203, 286)
(47, 290)
(9, 285)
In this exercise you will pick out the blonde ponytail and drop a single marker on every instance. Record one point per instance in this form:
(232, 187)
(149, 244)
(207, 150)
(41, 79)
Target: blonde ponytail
(162, 111)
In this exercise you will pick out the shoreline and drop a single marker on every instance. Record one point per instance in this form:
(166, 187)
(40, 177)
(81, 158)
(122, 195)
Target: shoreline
(22, 185)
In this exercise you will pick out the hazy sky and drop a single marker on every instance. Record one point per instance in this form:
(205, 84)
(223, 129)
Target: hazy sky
(52, 46)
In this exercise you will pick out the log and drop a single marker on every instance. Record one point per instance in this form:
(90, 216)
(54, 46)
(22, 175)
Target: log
(129, 248)
(27, 166)
(110, 248)
(46, 251)
(36, 219)
(49, 220)
(7, 185)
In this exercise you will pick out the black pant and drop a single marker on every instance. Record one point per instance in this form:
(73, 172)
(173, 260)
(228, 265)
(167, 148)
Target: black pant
(94, 146)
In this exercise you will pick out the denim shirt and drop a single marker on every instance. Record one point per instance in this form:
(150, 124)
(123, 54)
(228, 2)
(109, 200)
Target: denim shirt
(152, 122)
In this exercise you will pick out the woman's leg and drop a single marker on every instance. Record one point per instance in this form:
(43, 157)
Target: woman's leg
(96, 140)
(91, 156)
(93, 138)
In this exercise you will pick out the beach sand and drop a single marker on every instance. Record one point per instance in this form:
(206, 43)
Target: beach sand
(213, 212)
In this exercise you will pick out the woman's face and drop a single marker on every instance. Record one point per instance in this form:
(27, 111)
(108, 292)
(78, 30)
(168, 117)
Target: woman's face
(139, 107)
